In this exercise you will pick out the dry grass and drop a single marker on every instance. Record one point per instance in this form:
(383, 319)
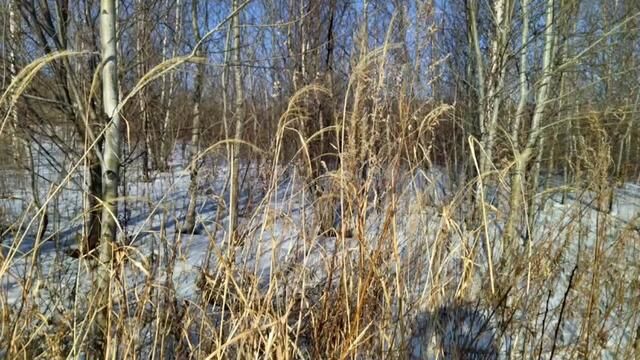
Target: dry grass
(405, 274)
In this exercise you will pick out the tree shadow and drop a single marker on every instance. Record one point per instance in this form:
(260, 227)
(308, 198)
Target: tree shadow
(454, 331)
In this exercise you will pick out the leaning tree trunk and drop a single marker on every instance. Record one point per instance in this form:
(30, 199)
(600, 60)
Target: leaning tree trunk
(110, 177)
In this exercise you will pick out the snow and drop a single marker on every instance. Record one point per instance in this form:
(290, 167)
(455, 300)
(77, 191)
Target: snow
(277, 243)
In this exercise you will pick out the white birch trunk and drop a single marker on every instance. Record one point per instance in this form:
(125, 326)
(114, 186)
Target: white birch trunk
(516, 176)
(496, 82)
(110, 170)
(472, 9)
(474, 39)
(168, 91)
(148, 151)
(239, 129)
(13, 71)
(523, 158)
(190, 220)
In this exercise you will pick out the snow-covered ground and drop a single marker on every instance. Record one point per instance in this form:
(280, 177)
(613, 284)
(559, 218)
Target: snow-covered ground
(277, 222)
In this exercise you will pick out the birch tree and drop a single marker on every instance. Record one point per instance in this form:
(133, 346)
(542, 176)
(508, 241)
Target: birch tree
(168, 90)
(110, 167)
(13, 42)
(239, 126)
(491, 104)
(490, 94)
(522, 157)
(478, 61)
(190, 220)
(141, 29)
(502, 12)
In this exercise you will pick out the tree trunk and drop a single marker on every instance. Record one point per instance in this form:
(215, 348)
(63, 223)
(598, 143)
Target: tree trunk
(496, 80)
(110, 172)
(163, 163)
(148, 149)
(516, 176)
(93, 213)
(523, 158)
(190, 220)
(492, 104)
(225, 91)
(239, 129)
(13, 71)
(474, 45)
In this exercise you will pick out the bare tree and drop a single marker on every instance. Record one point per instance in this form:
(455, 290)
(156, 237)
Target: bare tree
(490, 106)
(148, 153)
(190, 220)
(239, 117)
(168, 88)
(523, 157)
(13, 71)
(110, 168)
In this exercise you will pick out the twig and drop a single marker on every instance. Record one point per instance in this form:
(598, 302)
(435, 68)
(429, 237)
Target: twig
(564, 302)
(544, 320)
